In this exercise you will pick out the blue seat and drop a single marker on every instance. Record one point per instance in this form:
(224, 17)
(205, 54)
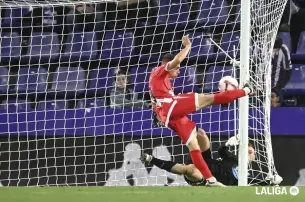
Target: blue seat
(81, 47)
(10, 47)
(140, 77)
(33, 79)
(68, 81)
(300, 53)
(202, 46)
(213, 76)
(43, 47)
(91, 103)
(4, 80)
(186, 81)
(14, 16)
(285, 36)
(301, 44)
(117, 45)
(52, 105)
(15, 105)
(213, 12)
(101, 80)
(227, 43)
(296, 84)
(173, 13)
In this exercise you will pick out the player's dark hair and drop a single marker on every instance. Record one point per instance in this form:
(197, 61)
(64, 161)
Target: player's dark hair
(278, 43)
(168, 57)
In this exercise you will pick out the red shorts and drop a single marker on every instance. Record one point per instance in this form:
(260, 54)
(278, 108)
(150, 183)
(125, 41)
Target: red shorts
(175, 113)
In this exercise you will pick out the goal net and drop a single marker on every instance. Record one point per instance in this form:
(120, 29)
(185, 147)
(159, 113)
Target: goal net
(74, 86)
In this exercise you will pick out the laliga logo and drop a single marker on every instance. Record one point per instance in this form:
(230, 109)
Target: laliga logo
(277, 191)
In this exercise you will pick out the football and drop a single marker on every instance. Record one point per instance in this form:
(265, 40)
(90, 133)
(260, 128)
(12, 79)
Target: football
(227, 83)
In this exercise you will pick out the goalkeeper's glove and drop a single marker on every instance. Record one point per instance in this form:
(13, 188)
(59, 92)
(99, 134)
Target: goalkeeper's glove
(233, 141)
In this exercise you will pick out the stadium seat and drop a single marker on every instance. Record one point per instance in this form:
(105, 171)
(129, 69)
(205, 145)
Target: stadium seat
(140, 77)
(68, 81)
(52, 105)
(213, 76)
(101, 80)
(202, 46)
(227, 43)
(13, 16)
(301, 44)
(4, 80)
(117, 45)
(15, 105)
(296, 84)
(91, 103)
(43, 47)
(285, 36)
(81, 47)
(173, 13)
(213, 12)
(10, 47)
(186, 81)
(33, 79)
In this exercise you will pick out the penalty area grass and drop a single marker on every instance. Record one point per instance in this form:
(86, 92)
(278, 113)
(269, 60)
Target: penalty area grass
(144, 194)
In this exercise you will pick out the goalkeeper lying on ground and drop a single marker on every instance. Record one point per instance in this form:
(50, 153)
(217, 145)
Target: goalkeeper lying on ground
(224, 168)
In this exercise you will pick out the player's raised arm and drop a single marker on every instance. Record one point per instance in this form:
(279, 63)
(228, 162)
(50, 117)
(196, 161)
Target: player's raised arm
(180, 56)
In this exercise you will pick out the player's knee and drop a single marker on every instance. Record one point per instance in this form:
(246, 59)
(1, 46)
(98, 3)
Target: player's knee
(203, 140)
(193, 144)
(205, 100)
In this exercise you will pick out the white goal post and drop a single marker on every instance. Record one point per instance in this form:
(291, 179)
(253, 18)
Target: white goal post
(65, 120)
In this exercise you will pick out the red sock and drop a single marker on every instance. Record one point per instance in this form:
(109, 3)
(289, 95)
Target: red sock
(228, 96)
(200, 164)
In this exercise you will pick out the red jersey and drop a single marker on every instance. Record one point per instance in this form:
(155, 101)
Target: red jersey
(159, 83)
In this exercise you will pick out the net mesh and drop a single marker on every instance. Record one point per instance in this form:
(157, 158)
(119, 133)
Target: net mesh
(65, 119)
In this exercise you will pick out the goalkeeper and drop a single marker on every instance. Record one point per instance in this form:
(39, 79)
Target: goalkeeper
(224, 168)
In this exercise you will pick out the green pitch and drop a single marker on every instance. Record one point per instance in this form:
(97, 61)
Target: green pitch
(143, 194)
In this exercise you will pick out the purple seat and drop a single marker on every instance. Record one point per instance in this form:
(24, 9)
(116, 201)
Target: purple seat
(91, 103)
(10, 47)
(140, 77)
(296, 84)
(68, 81)
(14, 16)
(15, 105)
(81, 47)
(4, 80)
(300, 53)
(101, 80)
(173, 13)
(186, 81)
(202, 46)
(213, 76)
(285, 36)
(33, 79)
(52, 105)
(43, 47)
(301, 44)
(117, 45)
(227, 43)
(213, 12)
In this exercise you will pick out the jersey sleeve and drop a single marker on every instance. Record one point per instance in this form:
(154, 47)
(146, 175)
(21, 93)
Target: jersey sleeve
(225, 154)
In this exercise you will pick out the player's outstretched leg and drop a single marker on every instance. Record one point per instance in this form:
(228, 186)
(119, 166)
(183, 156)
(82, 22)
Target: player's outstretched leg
(205, 100)
(199, 162)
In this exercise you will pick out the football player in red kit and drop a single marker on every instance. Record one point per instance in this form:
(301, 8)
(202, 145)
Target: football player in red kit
(170, 110)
